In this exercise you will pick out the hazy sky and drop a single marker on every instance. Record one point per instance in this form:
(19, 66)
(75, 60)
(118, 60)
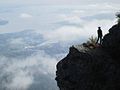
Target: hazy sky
(18, 15)
(57, 2)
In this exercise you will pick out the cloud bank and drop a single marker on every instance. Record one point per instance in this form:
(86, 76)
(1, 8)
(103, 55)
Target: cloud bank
(20, 74)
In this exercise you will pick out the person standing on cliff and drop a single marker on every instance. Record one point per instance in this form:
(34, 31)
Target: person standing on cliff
(99, 32)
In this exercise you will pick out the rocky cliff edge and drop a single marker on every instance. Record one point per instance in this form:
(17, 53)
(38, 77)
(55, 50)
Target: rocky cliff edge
(92, 69)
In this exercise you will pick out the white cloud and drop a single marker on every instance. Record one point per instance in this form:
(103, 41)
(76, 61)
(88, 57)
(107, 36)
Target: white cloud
(67, 33)
(73, 33)
(21, 81)
(71, 18)
(26, 15)
(21, 73)
(91, 27)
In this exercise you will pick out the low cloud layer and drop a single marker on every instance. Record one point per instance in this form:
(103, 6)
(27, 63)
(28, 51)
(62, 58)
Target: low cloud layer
(20, 74)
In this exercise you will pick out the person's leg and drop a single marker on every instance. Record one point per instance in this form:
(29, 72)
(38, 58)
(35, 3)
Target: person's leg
(97, 40)
(100, 40)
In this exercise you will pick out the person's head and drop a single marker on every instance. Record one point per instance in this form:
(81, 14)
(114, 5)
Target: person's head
(99, 27)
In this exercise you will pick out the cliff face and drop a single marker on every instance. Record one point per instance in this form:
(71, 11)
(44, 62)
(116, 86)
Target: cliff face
(92, 69)
(111, 42)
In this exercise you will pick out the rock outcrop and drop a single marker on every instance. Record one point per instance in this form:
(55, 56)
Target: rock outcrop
(92, 69)
(111, 42)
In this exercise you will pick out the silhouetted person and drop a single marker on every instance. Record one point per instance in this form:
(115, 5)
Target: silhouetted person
(99, 31)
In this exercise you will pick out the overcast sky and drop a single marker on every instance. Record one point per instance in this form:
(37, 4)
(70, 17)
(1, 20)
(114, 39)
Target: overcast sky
(18, 15)
(58, 2)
